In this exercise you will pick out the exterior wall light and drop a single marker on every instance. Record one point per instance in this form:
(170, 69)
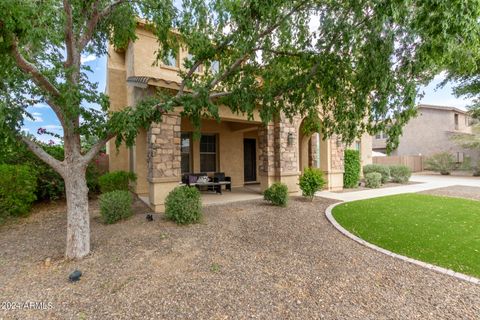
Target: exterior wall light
(290, 139)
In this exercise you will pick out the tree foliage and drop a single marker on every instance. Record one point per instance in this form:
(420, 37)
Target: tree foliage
(357, 64)
(361, 62)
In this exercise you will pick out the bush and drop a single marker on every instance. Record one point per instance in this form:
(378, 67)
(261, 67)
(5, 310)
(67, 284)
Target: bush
(115, 206)
(373, 180)
(117, 180)
(50, 185)
(352, 169)
(379, 168)
(277, 194)
(311, 181)
(183, 205)
(400, 173)
(442, 162)
(17, 189)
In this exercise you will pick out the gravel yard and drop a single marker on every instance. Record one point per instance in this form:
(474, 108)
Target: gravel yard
(245, 260)
(456, 191)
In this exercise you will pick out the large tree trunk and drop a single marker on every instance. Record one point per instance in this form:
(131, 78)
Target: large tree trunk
(78, 217)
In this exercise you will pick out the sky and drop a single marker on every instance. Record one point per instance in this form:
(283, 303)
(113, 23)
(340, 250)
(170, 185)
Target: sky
(45, 118)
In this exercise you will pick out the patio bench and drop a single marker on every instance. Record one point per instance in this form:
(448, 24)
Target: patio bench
(215, 184)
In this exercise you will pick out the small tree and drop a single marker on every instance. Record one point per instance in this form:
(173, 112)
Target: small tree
(443, 162)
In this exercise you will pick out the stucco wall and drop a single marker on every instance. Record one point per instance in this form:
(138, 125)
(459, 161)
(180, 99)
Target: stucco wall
(230, 147)
(429, 133)
(116, 89)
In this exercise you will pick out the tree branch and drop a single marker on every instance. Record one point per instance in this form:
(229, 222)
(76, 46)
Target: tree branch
(96, 17)
(261, 35)
(43, 155)
(188, 76)
(69, 37)
(219, 94)
(30, 69)
(96, 148)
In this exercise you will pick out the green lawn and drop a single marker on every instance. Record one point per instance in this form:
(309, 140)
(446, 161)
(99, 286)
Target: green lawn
(438, 230)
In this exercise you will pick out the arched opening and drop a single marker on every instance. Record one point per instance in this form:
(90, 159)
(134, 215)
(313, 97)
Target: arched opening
(313, 150)
(308, 149)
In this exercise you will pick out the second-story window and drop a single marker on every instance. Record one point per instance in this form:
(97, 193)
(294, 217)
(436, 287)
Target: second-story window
(381, 135)
(171, 59)
(215, 67)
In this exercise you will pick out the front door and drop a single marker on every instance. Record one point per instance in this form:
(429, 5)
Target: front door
(250, 160)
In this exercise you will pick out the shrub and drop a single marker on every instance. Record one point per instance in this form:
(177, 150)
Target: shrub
(442, 162)
(183, 205)
(50, 185)
(400, 173)
(277, 194)
(117, 180)
(311, 181)
(17, 189)
(115, 205)
(373, 180)
(352, 168)
(379, 168)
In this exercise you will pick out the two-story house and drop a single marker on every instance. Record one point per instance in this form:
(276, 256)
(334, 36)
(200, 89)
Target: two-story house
(244, 149)
(430, 132)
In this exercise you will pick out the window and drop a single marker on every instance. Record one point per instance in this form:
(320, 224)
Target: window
(215, 67)
(357, 146)
(186, 151)
(456, 121)
(171, 59)
(381, 135)
(208, 153)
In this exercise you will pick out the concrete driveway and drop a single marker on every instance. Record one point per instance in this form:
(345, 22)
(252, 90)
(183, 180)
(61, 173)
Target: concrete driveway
(426, 182)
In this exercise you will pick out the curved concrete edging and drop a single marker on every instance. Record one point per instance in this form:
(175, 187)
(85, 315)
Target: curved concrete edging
(458, 275)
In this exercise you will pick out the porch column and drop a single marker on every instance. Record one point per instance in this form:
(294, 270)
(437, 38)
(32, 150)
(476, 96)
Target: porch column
(336, 167)
(163, 160)
(266, 155)
(279, 154)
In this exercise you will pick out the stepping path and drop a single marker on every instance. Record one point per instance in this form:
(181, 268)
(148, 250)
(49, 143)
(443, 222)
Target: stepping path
(426, 182)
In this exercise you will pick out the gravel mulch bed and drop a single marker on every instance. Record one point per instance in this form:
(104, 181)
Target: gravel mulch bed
(457, 192)
(246, 260)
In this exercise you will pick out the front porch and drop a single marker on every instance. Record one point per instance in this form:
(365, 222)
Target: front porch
(245, 193)
(244, 150)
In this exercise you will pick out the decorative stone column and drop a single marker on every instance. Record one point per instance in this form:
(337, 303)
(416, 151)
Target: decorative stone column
(278, 158)
(336, 170)
(314, 160)
(164, 159)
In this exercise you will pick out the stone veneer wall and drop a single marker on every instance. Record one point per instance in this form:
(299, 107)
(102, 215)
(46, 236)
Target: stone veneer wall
(337, 153)
(163, 155)
(266, 153)
(275, 155)
(314, 145)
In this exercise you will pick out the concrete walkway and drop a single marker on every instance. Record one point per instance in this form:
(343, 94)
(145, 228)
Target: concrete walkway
(427, 182)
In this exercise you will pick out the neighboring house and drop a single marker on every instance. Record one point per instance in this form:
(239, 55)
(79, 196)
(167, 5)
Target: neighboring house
(246, 150)
(430, 133)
